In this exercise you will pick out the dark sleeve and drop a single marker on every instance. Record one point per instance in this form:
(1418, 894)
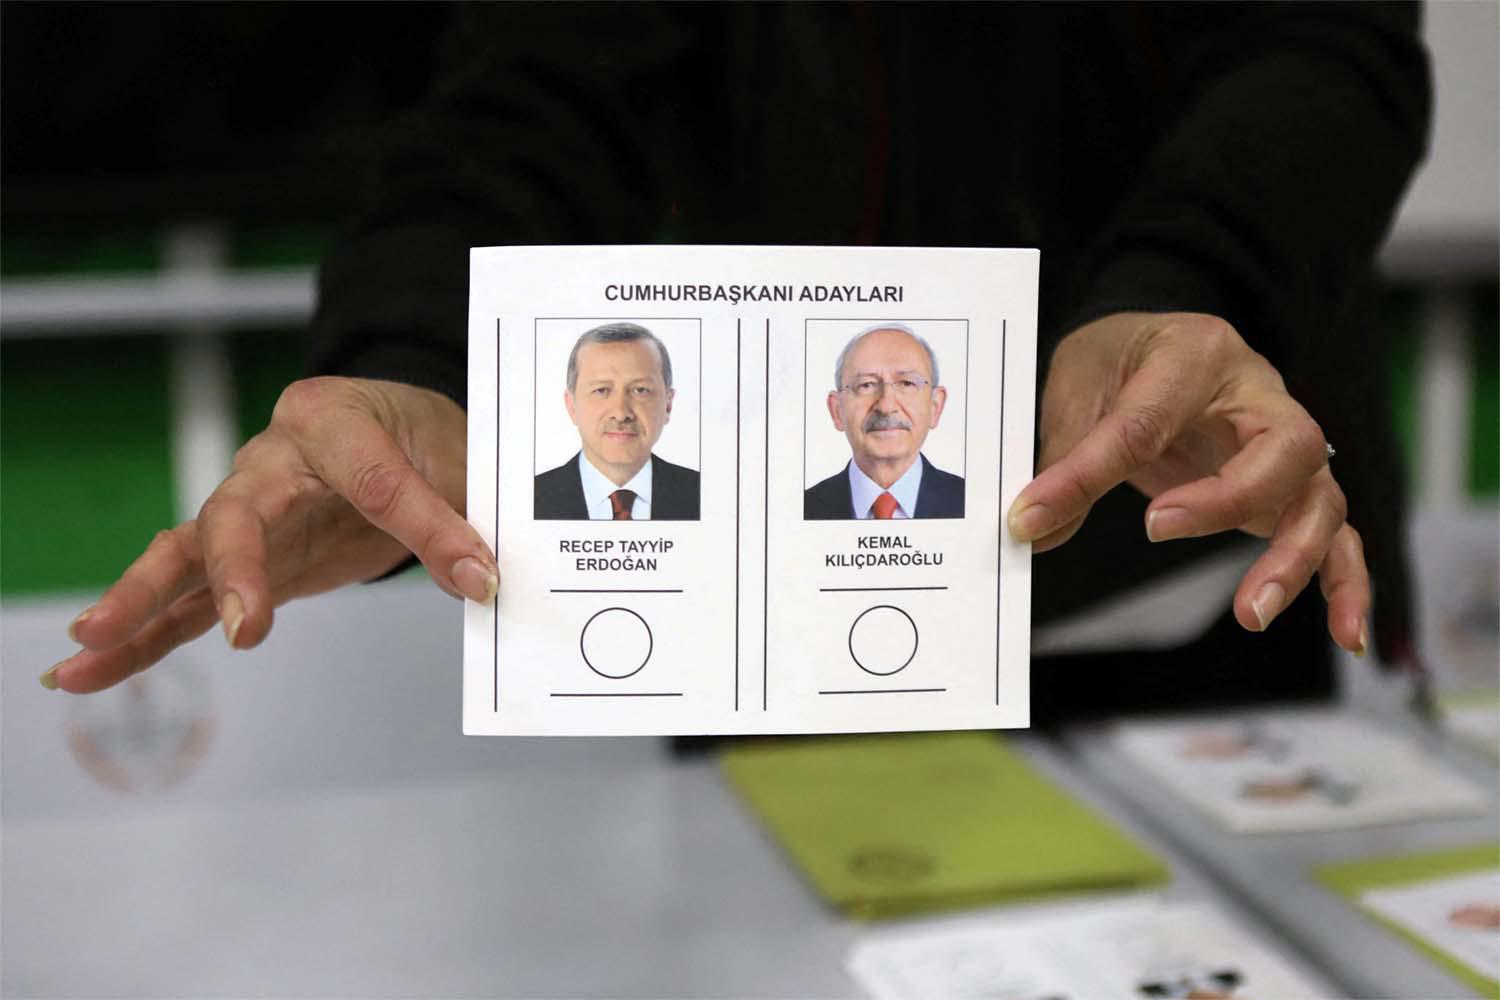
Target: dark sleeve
(1296, 130)
(1264, 202)
(538, 132)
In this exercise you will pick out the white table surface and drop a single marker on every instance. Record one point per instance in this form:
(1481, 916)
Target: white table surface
(341, 838)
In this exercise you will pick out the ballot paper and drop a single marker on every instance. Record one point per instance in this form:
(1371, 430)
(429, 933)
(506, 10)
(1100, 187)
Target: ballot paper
(1475, 719)
(1457, 564)
(1130, 947)
(1446, 903)
(1459, 915)
(803, 533)
(1292, 770)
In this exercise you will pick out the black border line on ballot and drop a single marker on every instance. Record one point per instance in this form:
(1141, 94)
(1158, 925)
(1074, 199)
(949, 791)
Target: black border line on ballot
(1000, 491)
(765, 610)
(738, 350)
(498, 410)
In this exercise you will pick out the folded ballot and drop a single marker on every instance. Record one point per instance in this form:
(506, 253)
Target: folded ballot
(1446, 903)
(888, 825)
(749, 489)
(1130, 947)
(1291, 770)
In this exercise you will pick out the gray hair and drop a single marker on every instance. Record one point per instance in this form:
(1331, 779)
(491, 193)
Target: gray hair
(618, 333)
(838, 366)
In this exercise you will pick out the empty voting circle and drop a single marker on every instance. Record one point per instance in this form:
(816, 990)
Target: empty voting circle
(883, 640)
(616, 643)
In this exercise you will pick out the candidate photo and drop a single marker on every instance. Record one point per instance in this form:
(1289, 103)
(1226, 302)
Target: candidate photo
(619, 398)
(887, 397)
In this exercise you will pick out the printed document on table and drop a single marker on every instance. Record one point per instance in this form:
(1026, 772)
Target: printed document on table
(749, 489)
(1290, 770)
(1457, 914)
(1130, 947)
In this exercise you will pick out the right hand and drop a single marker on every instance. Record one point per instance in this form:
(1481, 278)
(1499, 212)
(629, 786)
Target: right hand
(350, 476)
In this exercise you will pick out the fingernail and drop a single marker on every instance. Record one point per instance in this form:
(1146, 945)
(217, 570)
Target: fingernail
(475, 580)
(49, 679)
(1364, 639)
(232, 611)
(73, 625)
(1031, 522)
(1168, 523)
(1268, 603)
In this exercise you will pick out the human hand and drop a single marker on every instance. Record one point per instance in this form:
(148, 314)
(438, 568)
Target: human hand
(1180, 407)
(350, 476)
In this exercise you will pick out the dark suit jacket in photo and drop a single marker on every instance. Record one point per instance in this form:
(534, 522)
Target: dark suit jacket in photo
(674, 493)
(940, 495)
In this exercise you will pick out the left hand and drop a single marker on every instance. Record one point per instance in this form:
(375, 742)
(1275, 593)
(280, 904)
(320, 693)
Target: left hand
(1180, 407)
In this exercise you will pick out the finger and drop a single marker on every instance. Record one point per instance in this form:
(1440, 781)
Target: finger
(1298, 547)
(1153, 408)
(1057, 536)
(1345, 581)
(171, 566)
(364, 465)
(233, 537)
(94, 670)
(1254, 485)
(1060, 435)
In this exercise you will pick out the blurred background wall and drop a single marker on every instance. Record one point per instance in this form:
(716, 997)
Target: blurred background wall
(172, 173)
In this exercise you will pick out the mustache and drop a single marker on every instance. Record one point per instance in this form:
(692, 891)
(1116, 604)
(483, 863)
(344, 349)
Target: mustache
(878, 421)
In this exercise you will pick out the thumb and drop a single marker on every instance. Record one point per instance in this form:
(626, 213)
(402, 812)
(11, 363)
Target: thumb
(359, 459)
(1065, 420)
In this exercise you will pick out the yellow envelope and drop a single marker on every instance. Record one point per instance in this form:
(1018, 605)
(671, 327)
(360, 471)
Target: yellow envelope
(896, 824)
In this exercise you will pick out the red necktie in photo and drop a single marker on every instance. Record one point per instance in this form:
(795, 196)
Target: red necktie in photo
(884, 506)
(623, 502)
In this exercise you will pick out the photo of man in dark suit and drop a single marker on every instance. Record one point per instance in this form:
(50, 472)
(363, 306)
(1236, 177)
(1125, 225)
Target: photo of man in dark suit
(619, 396)
(886, 397)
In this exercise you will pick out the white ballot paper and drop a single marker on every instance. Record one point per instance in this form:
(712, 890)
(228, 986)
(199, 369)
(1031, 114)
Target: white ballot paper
(1132, 947)
(1475, 719)
(1457, 914)
(774, 542)
(1293, 770)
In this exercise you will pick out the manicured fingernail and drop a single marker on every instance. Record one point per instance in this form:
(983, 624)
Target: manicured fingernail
(1031, 522)
(49, 679)
(232, 611)
(73, 625)
(1364, 639)
(1268, 603)
(475, 580)
(1168, 523)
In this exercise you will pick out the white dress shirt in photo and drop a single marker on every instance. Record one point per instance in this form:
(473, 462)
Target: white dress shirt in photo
(863, 491)
(597, 487)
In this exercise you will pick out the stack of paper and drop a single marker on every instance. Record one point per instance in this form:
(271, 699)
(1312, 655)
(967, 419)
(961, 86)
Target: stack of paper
(1135, 947)
(1447, 903)
(1280, 772)
(886, 825)
(1458, 595)
(1475, 719)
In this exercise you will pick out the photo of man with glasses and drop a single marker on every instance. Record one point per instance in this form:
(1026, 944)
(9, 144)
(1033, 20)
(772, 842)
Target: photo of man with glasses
(886, 398)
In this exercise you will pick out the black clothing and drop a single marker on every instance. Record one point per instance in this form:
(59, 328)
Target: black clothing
(941, 494)
(1243, 161)
(558, 493)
